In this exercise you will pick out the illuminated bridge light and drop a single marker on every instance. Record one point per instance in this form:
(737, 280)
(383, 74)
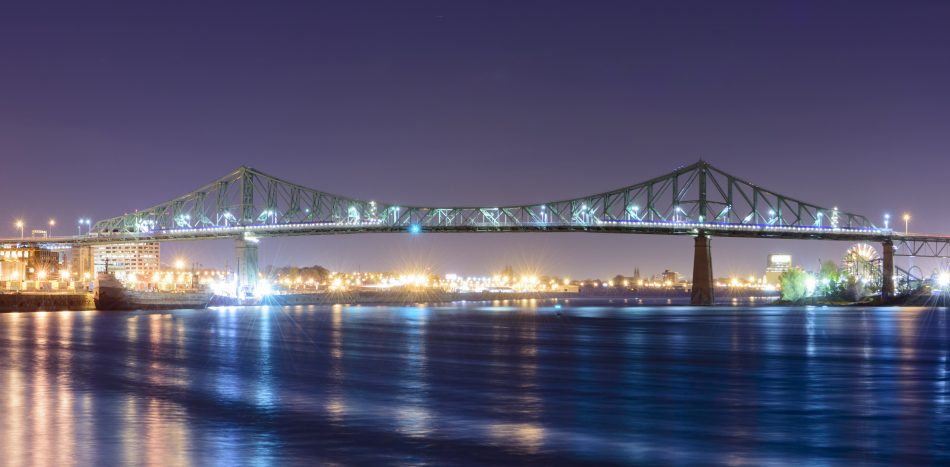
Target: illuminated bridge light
(415, 229)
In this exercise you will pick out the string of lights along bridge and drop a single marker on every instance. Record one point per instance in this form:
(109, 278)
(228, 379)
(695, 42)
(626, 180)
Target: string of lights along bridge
(697, 200)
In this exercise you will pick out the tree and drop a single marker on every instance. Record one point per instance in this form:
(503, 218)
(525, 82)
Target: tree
(793, 284)
(854, 289)
(829, 270)
(829, 278)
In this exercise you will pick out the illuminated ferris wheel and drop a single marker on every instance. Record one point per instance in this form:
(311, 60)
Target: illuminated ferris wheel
(860, 261)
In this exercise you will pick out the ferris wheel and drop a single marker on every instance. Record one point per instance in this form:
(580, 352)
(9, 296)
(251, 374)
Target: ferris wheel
(860, 261)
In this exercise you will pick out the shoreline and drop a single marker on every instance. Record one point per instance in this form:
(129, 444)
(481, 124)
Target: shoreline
(407, 298)
(32, 301)
(82, 301)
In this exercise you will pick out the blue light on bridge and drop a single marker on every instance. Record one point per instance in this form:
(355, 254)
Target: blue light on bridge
(415, 229)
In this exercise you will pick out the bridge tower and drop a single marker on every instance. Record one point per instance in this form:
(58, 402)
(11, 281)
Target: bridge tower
(702, 293)
(887, 270)
(247, 269)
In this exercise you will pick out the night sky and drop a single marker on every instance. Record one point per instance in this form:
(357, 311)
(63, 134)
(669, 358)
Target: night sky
(105, 108)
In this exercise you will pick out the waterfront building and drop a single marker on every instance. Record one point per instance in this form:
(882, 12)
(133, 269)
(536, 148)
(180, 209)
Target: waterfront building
(668, 277)
(776, 265)
(568, 288)
(20, 263)
(126, 259)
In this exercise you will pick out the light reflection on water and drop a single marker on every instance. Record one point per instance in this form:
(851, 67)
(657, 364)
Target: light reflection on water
(476, 383)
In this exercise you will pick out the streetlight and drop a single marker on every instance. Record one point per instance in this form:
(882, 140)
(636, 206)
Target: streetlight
(52, 223)
(887, 221)
(906, 223)
(82, 222)
(19, 225)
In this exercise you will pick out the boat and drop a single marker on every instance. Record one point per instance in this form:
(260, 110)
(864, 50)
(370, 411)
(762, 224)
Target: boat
(110, 294)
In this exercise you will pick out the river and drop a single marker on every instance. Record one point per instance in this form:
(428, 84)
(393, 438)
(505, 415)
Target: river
(520, 382)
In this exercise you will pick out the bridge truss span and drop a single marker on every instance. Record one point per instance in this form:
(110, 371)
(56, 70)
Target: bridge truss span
(924, 246)
(698, 197)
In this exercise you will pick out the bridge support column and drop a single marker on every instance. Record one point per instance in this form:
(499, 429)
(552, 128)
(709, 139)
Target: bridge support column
(246, 265)
(887, 270)
(702, 293)
(82, 265)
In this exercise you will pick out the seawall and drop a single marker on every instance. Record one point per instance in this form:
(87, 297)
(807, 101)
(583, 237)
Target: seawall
(46, 302)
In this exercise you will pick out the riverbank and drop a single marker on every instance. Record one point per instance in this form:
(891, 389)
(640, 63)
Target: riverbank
(390, 298)
(29, 301)
(921, 298)
(39, 301)
(413, 297)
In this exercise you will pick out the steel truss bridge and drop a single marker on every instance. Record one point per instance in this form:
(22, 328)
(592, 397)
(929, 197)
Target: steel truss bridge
(698, 200)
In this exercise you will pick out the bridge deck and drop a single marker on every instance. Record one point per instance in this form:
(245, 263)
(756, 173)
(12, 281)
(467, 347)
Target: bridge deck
(651, 228)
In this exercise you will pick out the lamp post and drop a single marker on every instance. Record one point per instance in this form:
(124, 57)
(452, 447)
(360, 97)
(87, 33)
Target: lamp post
(19, 225)
(52, 223)
(906, 223)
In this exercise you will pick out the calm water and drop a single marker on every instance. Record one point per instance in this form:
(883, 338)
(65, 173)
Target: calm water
(476, 384)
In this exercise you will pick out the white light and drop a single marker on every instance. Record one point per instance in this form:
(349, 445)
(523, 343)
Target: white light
(810, 285)
(263, 289)
(943, 280)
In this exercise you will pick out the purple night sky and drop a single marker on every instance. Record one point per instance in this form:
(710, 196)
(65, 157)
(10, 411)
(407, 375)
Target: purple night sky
(105, 108)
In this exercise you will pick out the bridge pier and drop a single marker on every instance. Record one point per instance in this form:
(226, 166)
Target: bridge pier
(83, 265)
(702, 293)
(247, 269)
(887, 270)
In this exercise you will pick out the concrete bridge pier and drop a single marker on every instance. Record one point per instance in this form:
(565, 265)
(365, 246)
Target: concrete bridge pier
(83, 265)
(247, 269)
(702, 293)
(887, 270)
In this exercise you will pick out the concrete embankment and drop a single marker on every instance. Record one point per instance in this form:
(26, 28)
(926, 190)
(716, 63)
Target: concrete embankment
(46, 302)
